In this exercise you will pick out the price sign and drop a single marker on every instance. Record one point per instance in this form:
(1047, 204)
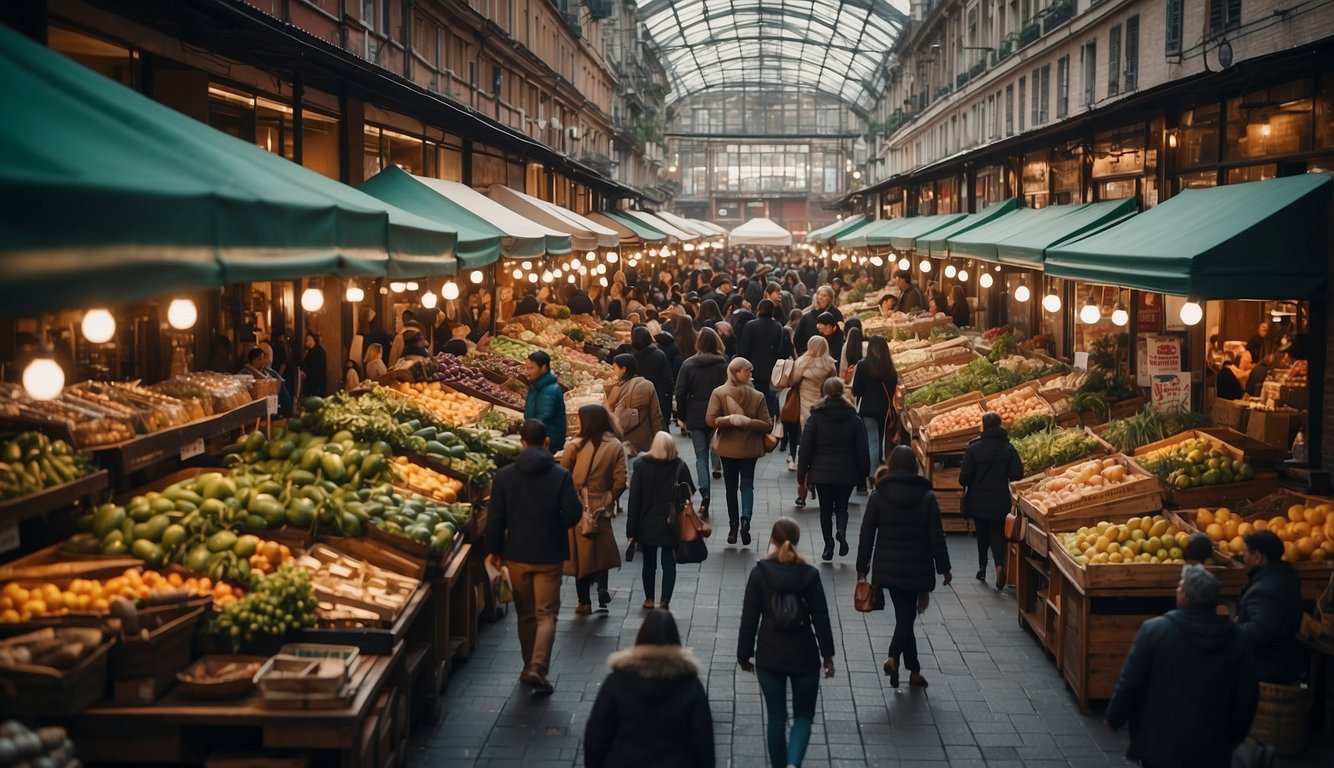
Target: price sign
(9, 536)
(191, 450)
(1171, 391)
(273, 404)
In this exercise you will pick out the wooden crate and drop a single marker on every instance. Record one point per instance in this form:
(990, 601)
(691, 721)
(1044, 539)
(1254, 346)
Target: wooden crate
(1314, 576)
(1028, 386)
(1222, 495)
(1094, 647)
(951, 502)
(922, 415)
(1125, 578)
(1126, 500)
(956, 523)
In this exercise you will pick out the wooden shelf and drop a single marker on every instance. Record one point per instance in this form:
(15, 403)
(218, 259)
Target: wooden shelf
(147, 450)
(52, 499)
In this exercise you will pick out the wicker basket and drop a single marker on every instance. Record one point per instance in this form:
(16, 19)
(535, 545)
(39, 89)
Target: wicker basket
(1281, 719)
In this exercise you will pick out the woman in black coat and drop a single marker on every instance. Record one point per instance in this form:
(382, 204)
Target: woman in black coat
(660, 479)
(667, 343)
(654, 366)
(990, 464)
(902, 539)
(789, 648)
(873, 384)
(834, 457)
(314, 368)
(701, 373)
(651, 711)
(764, 342)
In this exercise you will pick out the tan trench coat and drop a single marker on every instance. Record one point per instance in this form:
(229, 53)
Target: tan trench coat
(601, 475)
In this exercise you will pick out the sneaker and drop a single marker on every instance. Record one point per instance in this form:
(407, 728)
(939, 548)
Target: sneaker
(791, 464)
(800, 502)
(745, 532)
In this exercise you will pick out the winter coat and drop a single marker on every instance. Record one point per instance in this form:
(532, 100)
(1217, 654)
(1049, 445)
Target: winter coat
(835, 341)
(810, 373)
(738, 442)
(533, 504)
(654, 492)
(667, 343)
(764, 343)
(654, 366)
(990, 464)
(793, 651)
(739, 319)
(1188, 688)
(806, 326)
(701, 373)
(651, 712)
(833, 445)
(875, 396)
(316, 368)
(1269, 613)
(902, 528)
(599, 479)
(636, 395)
(911, 301)
(961, 314)
(580, 304)
(546, 403)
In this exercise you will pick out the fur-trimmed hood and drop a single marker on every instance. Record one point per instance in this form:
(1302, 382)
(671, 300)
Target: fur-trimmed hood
(659, 662)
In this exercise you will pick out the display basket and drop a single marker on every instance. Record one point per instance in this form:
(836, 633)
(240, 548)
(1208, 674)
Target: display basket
(1138, 495)
(27, 691)
(222, 676)
(1221, 495)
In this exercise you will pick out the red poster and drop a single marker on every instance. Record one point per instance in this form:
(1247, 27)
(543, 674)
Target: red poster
(1149, 313)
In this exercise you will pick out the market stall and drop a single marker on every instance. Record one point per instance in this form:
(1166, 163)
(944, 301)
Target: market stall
(760, 231)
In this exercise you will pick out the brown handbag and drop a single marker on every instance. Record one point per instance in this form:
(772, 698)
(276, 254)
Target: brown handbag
(1014, 527)
(689, 525)
(791, 412)
(862, 598)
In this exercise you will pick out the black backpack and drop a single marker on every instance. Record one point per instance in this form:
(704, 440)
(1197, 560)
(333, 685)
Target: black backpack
(787, 611)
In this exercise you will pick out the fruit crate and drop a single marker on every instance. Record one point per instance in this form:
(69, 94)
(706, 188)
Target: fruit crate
(1219, 495)
(1314, 575)
(948, 441)
(1138, 495)
(1126, 578)
(27, 691)
(1029, 386)
(148, 662)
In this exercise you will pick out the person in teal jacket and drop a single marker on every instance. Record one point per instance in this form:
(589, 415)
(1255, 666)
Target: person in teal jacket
(546, 400)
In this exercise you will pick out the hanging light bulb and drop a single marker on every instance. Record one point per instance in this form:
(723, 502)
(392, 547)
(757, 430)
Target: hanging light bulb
(904, 263)
(590, 256)
(312, 299)
(653, 251)
(602, 281)
(398, 287)
(950, 271)
(602, 269)
(877, 261)
(963, 275)
(1089, 313)
(925, 266)
(527, 265)
(98, 326)
(556, 274)
(985, 280)
(532, 277)
(476, 277)
(450, 291)
(354, 293)
(1022, 294)
(181, 314)
(613, 257)
(1119, 315)
(413, 286)
(43, 378)
(570, 279)
(429, 300)
(1191, 312)
(547, 276)
(997, 267)
(517, 273)
(1052, 301)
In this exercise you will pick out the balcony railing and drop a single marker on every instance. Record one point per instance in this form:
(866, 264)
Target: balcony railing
(1057, 14)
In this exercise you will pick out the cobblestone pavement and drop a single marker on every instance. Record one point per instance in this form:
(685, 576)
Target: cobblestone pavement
(995, 699)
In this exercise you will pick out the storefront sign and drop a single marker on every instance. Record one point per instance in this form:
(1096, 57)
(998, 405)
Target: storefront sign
(1155, 354)
(1149, 313)
(1171, 391)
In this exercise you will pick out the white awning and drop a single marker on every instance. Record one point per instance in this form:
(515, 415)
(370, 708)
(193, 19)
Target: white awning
(512, 224)
(761, 231)
(662, 226)
(585, 235)
(681, 222)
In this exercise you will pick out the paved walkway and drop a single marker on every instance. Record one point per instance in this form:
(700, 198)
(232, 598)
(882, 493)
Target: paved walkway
(995, 699)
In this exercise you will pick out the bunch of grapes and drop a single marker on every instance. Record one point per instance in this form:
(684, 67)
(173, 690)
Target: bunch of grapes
(280, 602)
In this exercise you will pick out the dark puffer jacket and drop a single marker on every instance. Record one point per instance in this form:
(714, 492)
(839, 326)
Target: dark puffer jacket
(701, 373)
(902, 528)
(990, 464)
(833, 445)
(764, 342)
(877, 395)
(533, 504)
(786, 651)
(651, 712)
(1269, 613)
(654, 366)
(1189, 671)
(654, 486)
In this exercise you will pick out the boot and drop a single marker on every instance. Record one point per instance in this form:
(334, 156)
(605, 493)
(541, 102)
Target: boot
(731, 534)
(828, 553)
(704, 508)
(745, 531)
(982, 573)
(842, 543)
(1000, 577)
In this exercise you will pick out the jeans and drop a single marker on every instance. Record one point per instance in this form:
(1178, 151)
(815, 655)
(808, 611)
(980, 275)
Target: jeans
(740, 471)
(773, 685)
(904, 641)
(536, 601)
(875, 439)
(583, 586)
(702, 438)
(650, 571)
(792, 431)
(990, 535)
(833, 506)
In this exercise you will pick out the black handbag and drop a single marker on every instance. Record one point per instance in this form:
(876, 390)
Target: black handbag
(691, 551)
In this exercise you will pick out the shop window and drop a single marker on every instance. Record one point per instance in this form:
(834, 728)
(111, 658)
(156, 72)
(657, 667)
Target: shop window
(319, 144)
(407, 152)
(449, 166)
(1118, 189)
(101, 56)
(1270, 122)
(1173, 26)
(1035, 182)
(1198, 180)
(1066, 187)
(231, 112)
(1116, 153)
(1252, 173)
(372, 157)
(1199, 135)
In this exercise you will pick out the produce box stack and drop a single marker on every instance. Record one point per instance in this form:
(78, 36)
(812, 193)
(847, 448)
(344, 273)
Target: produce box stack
(1197, 469)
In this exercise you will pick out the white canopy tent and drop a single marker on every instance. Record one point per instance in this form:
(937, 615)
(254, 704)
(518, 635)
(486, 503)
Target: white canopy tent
(585, 235)
(761, 231)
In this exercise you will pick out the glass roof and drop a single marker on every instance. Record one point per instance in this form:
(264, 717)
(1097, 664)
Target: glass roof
(837, 47)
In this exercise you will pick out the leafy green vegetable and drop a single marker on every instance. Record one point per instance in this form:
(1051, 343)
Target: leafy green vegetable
(1150, 426)
(1030, 424)
(1054, 447)
(981, 375)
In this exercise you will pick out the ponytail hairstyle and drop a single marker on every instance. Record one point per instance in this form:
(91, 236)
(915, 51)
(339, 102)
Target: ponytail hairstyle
(783, 540)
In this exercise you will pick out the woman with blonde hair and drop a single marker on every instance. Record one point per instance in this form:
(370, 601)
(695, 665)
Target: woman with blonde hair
(808, 377)
(785, 626)
(660, 482)
(596, 461)
(373, 361)
(740, 419)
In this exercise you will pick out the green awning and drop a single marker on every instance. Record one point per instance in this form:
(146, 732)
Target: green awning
(644, 231)
(478, 241)
(1258, 240)
(905, 235)
(980, 242)
(875, 234)
(832, 230)
(1025, 248)
(111, 197)
(934, 243)
(851, 237)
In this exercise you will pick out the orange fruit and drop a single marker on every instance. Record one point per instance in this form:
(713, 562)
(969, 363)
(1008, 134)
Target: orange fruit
(1214, 531)
(1305, 546)
(1297, 513)
(1261, 524)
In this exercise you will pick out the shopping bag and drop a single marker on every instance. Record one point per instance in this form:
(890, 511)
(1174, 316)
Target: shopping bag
(691, 551)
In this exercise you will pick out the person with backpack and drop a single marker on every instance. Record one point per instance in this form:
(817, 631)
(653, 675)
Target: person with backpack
(990, 464)
(903, 532)
(785, 628)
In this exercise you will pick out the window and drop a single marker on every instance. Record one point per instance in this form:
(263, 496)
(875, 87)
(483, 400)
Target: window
(1023, 82)
(1114, 61)
(1062, 86)
(1009, 110)
(1172, 30)
(1132, 53)
(1090, 74)
(1037, 84)
(368, 14)
(1224, 15)
(1045, 89)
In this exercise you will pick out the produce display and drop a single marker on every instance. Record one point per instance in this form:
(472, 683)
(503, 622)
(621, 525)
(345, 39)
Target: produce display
(964, 419)
(89, 427)
(44, 747)
(1077, 482)
(426, 481)
(1050, 447)
(505, 366)
(1306, 529)
(281, 601)
(923, 374)
(343, 583)
(500, 421)
(18, 603)
(512, 349)
(1068, 382)
(54, 648)
(31, 461)
(981, 375)
(1194, 462)
(452, 371)
(1149, 426)
(1297, 374)
(225, 391)
(444, 405)
(1139, 540)
(911, 357)
(1015, 405)
(1029, 425)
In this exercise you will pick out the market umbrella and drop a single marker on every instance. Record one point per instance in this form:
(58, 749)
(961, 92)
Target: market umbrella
(525, 238)
(760, 231)
(111, 197)
(832, 230)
